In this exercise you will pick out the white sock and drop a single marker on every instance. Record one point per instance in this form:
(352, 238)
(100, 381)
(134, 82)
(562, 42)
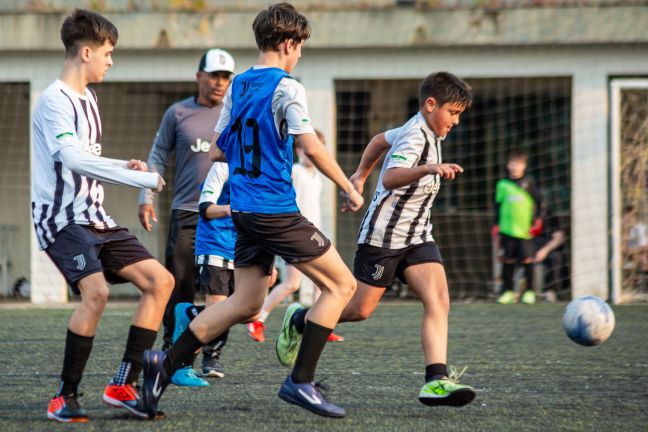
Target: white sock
(263, 315)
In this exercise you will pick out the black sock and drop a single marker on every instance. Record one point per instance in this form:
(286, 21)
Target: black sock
(528, 275)
(139, 340)
(215, 345)
(182, 351)
(311, 348)
(435, 371)
(507, 276)
(77, 352)
(298, 320)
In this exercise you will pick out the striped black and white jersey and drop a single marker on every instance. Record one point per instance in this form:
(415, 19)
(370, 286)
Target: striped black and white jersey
(400, 217)
(60, 197)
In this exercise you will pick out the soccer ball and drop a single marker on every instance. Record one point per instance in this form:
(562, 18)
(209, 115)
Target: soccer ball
(588, 320)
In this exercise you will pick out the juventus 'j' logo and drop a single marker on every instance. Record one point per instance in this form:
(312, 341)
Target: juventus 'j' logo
(80, 262)
(245, 88)
(318, 238)
(379, 272)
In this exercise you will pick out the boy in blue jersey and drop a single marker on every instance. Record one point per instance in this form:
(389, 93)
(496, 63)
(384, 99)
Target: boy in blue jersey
(264, 109)
(214, 251)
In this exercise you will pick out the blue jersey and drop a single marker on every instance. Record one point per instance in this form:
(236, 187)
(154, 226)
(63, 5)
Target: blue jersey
(215, 237)
(259, 157)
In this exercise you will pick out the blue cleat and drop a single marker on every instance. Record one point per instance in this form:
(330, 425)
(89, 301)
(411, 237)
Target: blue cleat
(181, 319)
(309, 396)
(187, 377)
(156, 380)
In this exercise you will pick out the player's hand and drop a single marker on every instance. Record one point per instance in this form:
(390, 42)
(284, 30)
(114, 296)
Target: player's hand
(357, 181)
(495, 231)
(353, 201)
(137, 165)
(146, 212)
(536, 228)
(447, 170)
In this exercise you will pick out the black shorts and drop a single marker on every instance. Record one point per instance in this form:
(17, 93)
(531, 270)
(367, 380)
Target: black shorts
(516, 248)
(79, 251)
(214, 280)
(378, 266)
(261, 237)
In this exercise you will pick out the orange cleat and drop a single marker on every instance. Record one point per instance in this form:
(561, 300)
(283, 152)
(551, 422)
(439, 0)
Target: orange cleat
(255, 330)
(66, 409)
(124, 396)
(333, 337)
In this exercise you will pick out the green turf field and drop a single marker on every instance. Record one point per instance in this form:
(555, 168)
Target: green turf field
(529, 376)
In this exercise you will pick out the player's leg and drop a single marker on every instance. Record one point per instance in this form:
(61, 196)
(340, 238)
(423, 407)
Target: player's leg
(287, 287)
(221, 285)
(155, 284)
(75, 253)
(428, 281)
(251, 289)
(374, 269)
(333, 337)
(363, 303)
(82, 327)
(526, 259)
(179, 260)
(509, 258)
(329, 272)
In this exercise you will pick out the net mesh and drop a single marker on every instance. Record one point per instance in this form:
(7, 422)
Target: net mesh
(528, 114)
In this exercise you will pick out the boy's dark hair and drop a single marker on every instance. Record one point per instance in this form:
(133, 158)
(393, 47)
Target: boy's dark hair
(518, 155)
(445, 88)
(86, 26)
(279, 22)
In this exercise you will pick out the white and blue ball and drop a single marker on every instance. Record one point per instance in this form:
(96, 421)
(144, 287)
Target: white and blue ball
(588, 320)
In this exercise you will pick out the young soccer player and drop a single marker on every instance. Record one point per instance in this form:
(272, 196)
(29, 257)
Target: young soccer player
(395, 238)
(73, 228)
(214, 253)
(264, 109)
(518, 219)
(307, 182)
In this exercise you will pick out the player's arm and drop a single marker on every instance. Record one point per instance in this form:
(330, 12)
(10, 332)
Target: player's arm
(64, 146)
(98, 168)
(371, 155)
(399, 176)
(216, 154)
(290, 98)
(208, 208)
(557, 240)
(324, 162)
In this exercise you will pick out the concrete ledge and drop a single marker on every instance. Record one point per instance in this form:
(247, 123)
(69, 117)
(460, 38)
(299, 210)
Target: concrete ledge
(391, 27)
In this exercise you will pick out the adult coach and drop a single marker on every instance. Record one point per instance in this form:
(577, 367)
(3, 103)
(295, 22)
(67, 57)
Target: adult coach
(186, 129)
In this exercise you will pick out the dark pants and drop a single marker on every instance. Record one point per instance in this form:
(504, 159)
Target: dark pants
(180, 261)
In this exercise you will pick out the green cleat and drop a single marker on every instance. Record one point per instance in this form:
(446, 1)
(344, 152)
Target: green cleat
(447, 391)
(289, 338)
(528, 297)
(507, 297)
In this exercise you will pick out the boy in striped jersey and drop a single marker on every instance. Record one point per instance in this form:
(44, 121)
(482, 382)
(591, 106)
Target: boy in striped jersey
(395, 237)
(73, 228)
